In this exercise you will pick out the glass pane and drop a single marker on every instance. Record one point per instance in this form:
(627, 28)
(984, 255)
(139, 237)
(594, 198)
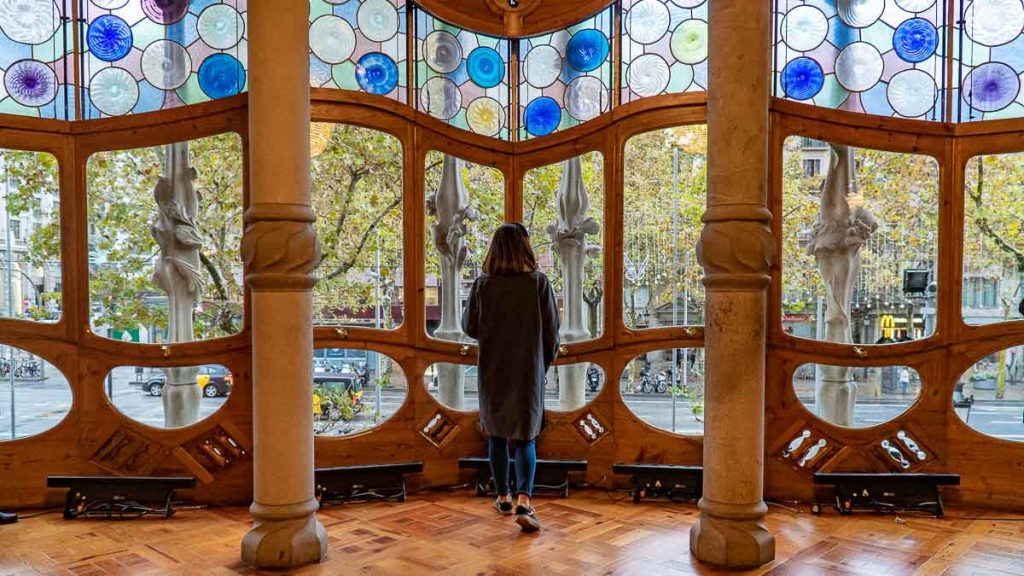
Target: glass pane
(462, 76)
(358, 45)
(856, 397)
(30, 288)
(993, 240)
(563, 209)
(883, 57)
(664, 47)
(36, 62)
(453, 385)
(665, 388)
(866, 227)
(190, 194)
(987, 397)
(987, 39)
(141, 392)
(357, 195)
(354, 390)
(565, 77)
(562, 384)
(145, 56)
(34, 395)
(465, 205)
(665, 194)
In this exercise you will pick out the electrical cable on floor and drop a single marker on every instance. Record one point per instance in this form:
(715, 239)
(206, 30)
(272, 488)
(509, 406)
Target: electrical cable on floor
(41, 513)
(796, 509)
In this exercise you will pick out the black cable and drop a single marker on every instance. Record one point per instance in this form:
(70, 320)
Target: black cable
(38, 514)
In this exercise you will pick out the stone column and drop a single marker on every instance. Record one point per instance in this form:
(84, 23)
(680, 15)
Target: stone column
(736, 251)
(280, 251)
(449, 205)
(569, 237)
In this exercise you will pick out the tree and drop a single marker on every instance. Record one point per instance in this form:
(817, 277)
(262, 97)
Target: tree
(357, 193)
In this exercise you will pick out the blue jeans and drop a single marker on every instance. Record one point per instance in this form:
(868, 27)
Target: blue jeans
(526, 465)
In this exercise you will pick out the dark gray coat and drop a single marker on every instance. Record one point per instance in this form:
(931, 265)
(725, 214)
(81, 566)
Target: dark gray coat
(515, 320)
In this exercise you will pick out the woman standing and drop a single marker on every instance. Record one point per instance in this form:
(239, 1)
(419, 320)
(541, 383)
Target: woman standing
(513, 316)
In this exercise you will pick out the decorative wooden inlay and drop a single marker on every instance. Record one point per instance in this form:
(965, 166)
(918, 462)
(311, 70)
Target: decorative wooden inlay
(903, 451)
(128, 453)
(804, 448)
(590, 427)
(217, 450)
(439, 430)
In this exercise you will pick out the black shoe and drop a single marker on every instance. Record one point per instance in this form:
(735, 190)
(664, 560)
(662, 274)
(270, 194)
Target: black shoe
(526, 517)
(8, 517)
(504, 507)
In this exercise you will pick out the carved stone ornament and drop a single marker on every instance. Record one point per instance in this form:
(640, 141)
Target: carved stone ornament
(736, 248)
(280, 248)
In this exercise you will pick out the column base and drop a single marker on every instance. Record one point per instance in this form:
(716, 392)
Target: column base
(732, 536)
(284, 536)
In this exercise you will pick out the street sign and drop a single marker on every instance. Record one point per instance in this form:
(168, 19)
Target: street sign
(130, 335)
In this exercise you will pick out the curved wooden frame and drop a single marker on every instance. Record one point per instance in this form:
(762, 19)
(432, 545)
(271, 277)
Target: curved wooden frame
(81, 443)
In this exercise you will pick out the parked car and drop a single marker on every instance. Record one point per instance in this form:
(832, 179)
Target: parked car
(337, 395)
(212, 379)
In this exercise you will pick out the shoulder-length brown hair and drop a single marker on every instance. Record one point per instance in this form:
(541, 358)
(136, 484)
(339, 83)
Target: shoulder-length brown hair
(510, 251)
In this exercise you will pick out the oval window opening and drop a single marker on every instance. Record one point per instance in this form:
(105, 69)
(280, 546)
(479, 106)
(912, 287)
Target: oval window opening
(354, 390)
(169, 397)
(856, 397)
(665, 388)
(572, 386)
(453, 385)
(34, 394)
(987, 396)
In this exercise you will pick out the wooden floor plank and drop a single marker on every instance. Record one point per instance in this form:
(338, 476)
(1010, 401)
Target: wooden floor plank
(456, 534)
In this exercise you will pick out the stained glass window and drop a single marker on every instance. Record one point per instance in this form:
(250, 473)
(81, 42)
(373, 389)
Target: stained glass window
(141, 56)
(664, 47)
(462, 77)
(882, 57)
(35, 60)
(990, 59)
(358, 45)
(565, 76)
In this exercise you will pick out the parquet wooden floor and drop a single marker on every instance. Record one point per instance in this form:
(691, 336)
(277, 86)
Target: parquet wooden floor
(454, 533)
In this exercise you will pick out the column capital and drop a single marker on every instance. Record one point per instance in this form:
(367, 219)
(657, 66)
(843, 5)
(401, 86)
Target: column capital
(280, 248)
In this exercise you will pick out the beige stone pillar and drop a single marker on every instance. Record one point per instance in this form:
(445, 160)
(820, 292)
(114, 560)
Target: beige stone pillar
(280, 251)
(736, 251)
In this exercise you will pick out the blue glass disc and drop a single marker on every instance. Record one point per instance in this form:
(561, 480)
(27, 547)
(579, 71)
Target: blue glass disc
(542, 116)
(802, 79)
(485, 66)
(377, 73)
(221, 75)
(586, 50)
(915, 40)
(991, 87)
(109, 38)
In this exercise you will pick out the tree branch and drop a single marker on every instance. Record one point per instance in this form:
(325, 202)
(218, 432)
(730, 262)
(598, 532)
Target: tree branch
(351, 261)
(976, 196)
(218, 283)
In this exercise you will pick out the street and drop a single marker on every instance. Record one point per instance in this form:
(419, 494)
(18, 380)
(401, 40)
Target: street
(40, 405)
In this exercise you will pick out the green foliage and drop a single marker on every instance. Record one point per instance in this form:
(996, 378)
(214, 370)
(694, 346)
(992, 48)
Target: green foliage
(357, 194)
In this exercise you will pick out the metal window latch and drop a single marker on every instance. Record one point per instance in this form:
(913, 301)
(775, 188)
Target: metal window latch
(860, 352)
(166, 351)
(464, 350)
(341, 332)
